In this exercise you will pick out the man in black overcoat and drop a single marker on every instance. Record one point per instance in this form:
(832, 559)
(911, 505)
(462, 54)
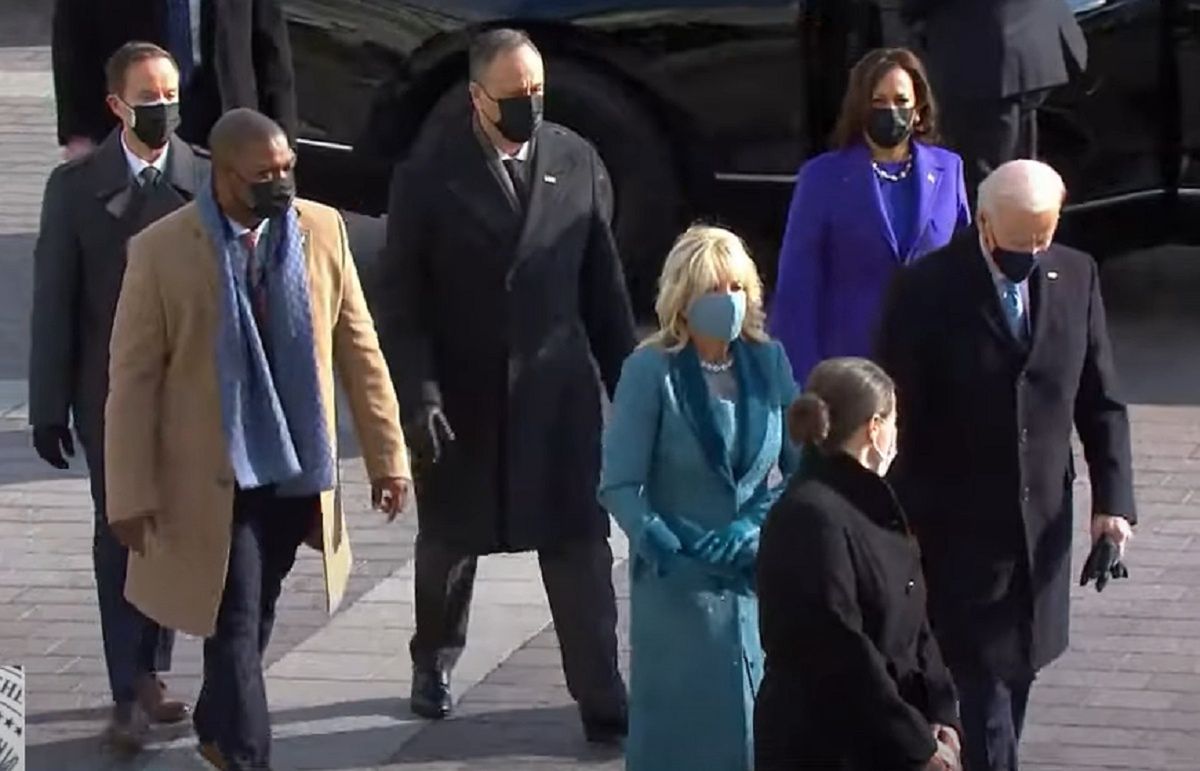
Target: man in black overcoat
(501, 283)
(92, 206)
(231, 53)
(998, 346)
(992, 63)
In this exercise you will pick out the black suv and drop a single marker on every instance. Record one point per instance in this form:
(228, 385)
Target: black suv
(705, 109)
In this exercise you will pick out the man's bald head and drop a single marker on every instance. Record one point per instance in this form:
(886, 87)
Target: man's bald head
(239, 129)
(1024, 186)
(1019, 206)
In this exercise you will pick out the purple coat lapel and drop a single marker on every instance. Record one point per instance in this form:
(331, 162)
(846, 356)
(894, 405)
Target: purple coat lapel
(861, 178)
(930, 173)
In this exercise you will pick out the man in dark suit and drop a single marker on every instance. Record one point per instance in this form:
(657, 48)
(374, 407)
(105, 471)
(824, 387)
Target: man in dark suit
(998, 345)
(501, 282)
(91, 207)
(992, 63)
(231, 53)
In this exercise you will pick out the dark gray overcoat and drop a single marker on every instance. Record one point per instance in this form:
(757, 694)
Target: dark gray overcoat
(495, 314)
(985, 467)
(90, 210)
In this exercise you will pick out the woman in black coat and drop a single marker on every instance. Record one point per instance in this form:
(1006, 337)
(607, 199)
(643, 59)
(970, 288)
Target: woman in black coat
(854, 679)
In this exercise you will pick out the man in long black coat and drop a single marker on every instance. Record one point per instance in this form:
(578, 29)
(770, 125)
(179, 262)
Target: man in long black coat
(998, 345)
(231, 53)
(993, 62)
(501, 282)
(91, 208)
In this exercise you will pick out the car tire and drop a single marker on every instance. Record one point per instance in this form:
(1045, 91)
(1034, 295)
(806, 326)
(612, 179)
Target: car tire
(648, 202)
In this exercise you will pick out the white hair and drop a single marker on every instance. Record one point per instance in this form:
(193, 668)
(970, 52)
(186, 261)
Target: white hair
(1024, 186)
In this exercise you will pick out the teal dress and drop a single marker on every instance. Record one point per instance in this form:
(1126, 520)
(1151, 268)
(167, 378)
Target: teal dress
(697, 456)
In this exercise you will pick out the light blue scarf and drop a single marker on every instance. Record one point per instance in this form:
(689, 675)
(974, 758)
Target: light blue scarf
(271, 411)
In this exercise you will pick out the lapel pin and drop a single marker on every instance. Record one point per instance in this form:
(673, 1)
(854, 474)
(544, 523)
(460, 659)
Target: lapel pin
(550, 179)
(930, 177)
(1052, 275)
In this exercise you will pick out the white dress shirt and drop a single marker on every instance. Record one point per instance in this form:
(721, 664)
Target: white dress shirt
(138, 164)
(522, 154)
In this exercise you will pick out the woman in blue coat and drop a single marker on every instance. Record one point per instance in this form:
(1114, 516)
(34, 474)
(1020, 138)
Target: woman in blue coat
(697, 427)
(885, 197)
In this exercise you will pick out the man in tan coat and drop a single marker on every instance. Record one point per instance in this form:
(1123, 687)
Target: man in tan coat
(221, 436)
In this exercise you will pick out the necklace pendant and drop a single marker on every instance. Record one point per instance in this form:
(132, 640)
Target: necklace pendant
(888, 176)
(716, 368)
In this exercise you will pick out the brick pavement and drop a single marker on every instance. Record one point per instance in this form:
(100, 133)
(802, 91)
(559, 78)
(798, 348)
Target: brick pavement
(1127, 696)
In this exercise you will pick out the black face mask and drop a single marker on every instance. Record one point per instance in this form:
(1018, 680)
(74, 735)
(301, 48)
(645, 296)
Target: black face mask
(272, 197)
(154, 124)
(520, 117)
(1016, 266)
(889, 126)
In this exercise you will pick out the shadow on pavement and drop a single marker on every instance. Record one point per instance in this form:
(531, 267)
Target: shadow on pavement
(548, 733)
(1154, 323)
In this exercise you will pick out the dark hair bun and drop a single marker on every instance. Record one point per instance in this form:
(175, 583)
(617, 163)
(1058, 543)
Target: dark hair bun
(808, 419)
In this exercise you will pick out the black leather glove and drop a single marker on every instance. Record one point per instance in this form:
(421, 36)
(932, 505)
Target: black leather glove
(429, 434)
(1103, 562)
(52, 443)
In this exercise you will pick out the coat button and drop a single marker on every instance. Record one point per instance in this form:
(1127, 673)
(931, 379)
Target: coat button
(909, 587)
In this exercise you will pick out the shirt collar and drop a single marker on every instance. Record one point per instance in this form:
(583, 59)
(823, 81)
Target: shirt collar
(239, 230)
(522, 153)
(138, 164)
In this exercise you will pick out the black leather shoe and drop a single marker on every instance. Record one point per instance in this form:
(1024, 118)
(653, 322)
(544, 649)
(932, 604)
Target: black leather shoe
(431, 694)
(610, 732)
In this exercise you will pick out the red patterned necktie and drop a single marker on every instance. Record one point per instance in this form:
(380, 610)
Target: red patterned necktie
(256, 280)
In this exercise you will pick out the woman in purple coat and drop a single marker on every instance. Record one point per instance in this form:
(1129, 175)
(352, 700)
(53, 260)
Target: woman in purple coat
(885, 197)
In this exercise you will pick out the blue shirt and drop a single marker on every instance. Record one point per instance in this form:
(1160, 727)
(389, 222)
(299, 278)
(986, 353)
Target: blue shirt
(900, 204)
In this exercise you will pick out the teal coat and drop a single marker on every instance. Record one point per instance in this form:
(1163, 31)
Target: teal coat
(671, 451)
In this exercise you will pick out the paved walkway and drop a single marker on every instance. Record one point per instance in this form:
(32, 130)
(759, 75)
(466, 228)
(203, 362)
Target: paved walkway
(1127, 696)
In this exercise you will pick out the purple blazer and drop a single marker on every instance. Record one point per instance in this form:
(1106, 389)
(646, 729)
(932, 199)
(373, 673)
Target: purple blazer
(839, 252)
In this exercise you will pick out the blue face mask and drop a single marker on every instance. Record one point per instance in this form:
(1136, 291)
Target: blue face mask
(718, 315)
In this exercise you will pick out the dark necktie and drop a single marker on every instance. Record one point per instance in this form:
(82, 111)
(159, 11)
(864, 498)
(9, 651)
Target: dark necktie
(256, 280)
(179, 37)
(149, 177)
(516, 173)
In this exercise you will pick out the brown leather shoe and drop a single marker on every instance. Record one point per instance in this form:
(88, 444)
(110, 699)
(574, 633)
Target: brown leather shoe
(152, 697)
(210, 752)
(127, 727)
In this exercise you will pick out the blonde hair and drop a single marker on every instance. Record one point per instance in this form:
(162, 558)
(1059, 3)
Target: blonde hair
(701, 259)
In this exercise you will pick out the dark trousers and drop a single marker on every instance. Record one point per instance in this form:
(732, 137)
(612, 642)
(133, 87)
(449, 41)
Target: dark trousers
(992, 710)
(990, 132)
(232, 708)
(133, 644)
(578, 581)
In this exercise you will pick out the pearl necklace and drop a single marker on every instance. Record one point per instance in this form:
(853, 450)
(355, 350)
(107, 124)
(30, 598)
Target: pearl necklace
(717, 368)
(889, 176)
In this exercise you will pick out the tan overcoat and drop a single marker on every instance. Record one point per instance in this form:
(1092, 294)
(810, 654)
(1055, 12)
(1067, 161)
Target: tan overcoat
(166, 452)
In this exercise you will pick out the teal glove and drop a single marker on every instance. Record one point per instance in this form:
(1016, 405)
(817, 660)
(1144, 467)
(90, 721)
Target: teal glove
(723, 546)
(659, 546)
(747, 558)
